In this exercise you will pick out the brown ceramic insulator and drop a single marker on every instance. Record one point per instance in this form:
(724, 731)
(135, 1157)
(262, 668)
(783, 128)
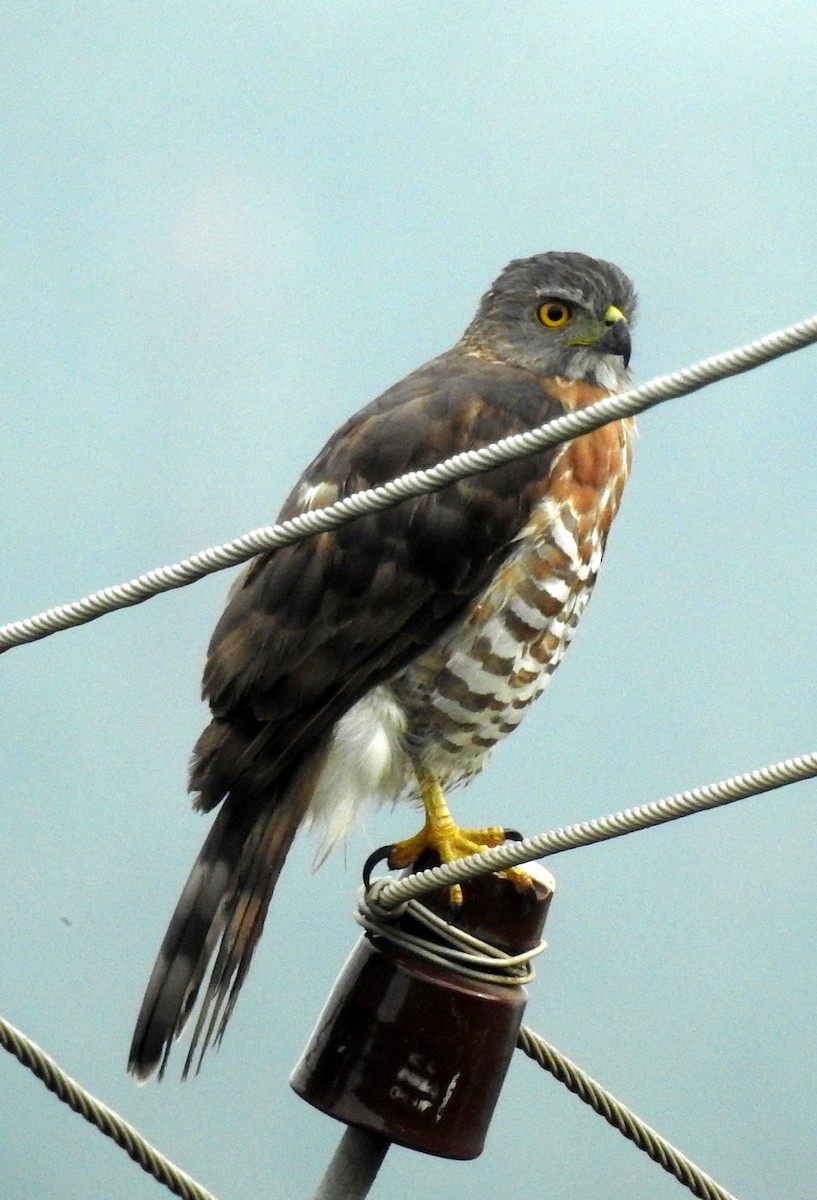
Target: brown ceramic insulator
(414, 1052)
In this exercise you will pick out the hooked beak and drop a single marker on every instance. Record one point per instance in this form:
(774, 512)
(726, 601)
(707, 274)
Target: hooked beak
(616, 337)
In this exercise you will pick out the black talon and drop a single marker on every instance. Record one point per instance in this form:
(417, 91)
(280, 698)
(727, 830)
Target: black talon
(513, 835)
(382, 854)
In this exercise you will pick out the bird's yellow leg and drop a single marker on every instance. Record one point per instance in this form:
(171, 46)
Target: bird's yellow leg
(444, 837)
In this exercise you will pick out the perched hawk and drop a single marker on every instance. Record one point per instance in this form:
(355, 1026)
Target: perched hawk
(385, 659)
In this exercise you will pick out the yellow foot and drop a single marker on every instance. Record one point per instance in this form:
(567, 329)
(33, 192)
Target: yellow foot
(440, 835)
(449, 843)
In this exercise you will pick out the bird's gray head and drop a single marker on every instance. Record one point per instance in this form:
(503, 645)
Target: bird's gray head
(558, 314)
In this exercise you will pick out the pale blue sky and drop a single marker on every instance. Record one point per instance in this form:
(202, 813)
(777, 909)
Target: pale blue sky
(221, 233)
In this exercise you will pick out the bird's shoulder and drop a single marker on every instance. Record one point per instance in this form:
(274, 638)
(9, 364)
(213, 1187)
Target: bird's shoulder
(454, 402)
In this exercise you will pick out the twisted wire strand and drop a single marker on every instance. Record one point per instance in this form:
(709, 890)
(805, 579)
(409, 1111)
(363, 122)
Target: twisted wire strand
(389, 896)
(459, 952)
(99, 1115)
(414, 483)
(601, 829)
(620, 1117)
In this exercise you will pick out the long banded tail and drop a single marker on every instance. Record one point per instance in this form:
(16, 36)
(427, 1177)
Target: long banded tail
(222, 908)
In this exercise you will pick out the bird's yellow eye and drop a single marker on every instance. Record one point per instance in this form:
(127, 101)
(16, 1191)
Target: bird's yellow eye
(554, 314)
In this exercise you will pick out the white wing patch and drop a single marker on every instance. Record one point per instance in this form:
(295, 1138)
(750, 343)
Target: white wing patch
(317, 495)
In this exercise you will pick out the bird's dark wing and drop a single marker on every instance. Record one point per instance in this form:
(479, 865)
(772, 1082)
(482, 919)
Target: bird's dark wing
(314, 626)
(308, 630)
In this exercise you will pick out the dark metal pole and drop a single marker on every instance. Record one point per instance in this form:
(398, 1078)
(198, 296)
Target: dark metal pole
(354, 1165)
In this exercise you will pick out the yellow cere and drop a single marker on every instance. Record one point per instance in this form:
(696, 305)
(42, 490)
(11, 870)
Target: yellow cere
(613, 314)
